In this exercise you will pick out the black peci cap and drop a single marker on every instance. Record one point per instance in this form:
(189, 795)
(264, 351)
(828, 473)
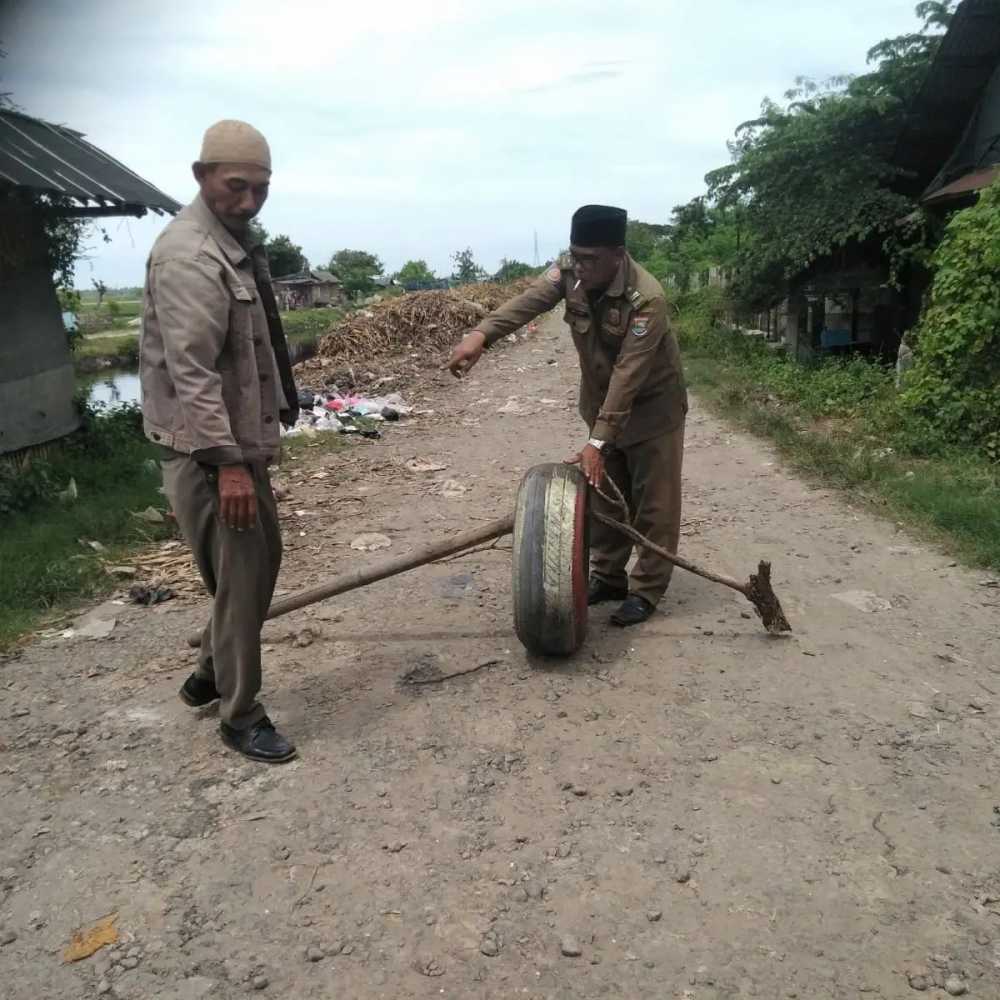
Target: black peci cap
(598, 226)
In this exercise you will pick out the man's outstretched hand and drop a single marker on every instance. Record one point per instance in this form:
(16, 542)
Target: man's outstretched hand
(467, 353)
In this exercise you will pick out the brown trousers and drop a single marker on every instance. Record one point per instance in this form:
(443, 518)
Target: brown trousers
(240, 569)
(649, 476)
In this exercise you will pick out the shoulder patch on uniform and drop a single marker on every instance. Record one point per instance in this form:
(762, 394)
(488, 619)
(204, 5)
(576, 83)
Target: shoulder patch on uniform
(640, 324)
(554, 275)
(634, 296)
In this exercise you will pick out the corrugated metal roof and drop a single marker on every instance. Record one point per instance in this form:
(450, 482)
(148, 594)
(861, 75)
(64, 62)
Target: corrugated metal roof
(51, 159)
(965, 60)
(315, 276)
(973, 181)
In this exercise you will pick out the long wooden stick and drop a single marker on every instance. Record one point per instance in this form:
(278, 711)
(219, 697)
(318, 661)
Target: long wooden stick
(390, 567)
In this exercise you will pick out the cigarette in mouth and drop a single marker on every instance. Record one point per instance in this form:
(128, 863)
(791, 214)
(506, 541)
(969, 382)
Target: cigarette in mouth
(577, 285)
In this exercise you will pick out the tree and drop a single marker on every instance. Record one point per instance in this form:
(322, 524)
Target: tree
(511, 270)
(257, 234)
(952, 393)
(414, 271)
(102, 290)
(815, 173)
(466, 269)
(285, 257)
(357, 270)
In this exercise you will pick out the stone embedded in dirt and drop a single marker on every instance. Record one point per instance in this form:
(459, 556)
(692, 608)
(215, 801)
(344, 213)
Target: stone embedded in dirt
(570, 947)
(521, 894)
(260, 982)
(919, 710)
(683, 877)
(490, 946)
(563, 851)
(314, 953)
(955, 987)
(653, 916)
(103, 988)
(333, 949)
(430, 967)
(130, 963)
(7, 937)
(863, 600)
(371, 542)
(579, 791)
(304, 639)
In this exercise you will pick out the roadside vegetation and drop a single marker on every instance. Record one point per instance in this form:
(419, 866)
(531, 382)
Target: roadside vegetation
(67, 511)
(810, 176)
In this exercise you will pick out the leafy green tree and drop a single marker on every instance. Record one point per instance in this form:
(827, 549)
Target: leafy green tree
(257, 234)
(413, 271)
(466, 269)
(285, 257)
(815, 172)
(511, 270)
(101, 289)
(952, 393)
(357, 270)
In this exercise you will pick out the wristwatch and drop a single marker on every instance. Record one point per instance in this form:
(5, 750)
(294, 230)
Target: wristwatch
(601, 446)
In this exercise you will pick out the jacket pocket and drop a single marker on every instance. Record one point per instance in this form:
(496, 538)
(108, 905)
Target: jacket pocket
(578, 322)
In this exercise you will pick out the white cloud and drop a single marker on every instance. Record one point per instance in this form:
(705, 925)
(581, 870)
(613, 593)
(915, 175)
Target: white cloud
(413, 132)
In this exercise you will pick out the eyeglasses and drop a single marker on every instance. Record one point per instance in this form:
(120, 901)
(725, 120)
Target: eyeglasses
(591, 260)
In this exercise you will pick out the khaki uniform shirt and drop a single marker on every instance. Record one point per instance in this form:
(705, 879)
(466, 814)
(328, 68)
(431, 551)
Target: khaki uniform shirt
(211, 386)
(631, 380)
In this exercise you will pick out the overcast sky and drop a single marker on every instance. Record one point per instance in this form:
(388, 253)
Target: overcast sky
(415, 130)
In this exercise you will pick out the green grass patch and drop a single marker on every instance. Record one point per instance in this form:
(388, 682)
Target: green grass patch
(118, 346)
(303, 326)
(47, 564)
(837, 421)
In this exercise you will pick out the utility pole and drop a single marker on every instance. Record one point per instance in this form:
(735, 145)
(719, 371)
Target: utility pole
(537, 263)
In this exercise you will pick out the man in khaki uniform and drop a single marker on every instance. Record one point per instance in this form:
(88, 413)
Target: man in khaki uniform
(215, 383)
(632, 397)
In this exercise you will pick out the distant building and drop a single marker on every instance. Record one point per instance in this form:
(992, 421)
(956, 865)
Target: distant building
(48, 171)
(947, 151)
(309, 288)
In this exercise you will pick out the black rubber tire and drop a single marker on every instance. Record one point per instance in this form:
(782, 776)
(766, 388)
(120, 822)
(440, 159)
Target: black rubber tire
(551, 560)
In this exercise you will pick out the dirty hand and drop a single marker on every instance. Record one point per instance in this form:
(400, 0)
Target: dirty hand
(237, 498)
(591, 461)
(467, 353)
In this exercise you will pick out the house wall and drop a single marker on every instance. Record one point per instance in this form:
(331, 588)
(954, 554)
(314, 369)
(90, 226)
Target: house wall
(36, 367)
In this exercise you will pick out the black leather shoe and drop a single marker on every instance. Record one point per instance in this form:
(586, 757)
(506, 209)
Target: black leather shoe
(598, 592)
(634, 611)
(196, 691)
(260, 742)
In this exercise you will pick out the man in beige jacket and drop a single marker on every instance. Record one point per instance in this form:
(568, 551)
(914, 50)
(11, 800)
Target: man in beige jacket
(216, 382)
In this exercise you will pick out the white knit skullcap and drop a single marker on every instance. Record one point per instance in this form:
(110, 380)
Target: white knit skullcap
(231, 141)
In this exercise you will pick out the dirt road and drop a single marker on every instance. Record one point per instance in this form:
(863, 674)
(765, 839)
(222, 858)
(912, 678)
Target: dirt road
(689, 809)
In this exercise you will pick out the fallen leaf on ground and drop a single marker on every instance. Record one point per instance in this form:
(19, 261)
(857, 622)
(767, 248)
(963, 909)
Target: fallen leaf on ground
(88, 940)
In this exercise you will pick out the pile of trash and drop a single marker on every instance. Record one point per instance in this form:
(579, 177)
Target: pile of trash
(427, 323)
(345, 413)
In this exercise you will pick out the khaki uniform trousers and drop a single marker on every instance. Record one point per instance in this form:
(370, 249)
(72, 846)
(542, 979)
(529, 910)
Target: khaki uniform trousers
(649, 476)
(240, 569)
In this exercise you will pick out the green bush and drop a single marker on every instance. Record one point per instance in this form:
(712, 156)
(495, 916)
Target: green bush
(952, 393)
